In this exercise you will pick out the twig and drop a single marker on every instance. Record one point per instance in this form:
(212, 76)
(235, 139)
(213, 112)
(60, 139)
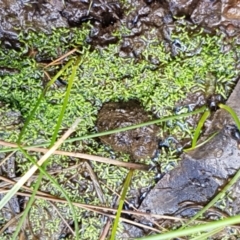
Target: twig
(60, 58)
(10, 222)
(63, 219)
(7, 157)
(95, 183)
(34, 168)
(83, 156)
(93, 207)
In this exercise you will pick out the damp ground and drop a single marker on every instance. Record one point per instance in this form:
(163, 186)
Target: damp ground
(141, 60)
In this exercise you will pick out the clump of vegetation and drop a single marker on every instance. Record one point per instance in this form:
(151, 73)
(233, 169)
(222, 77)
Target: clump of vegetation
(199, 62)
(159, 80)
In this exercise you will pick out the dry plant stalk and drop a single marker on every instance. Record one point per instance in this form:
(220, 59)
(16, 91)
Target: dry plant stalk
(34, 168)
(135, 166)
(48, 153)
(56, 62)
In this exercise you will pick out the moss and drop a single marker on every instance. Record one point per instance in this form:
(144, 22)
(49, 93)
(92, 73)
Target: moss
(158, 81)
(103, 76)
(43, 220)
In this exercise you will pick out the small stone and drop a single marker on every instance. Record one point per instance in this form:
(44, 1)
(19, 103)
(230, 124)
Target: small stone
(230, 30)
(139, 143)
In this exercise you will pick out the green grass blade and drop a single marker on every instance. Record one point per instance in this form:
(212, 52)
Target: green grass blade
(224, 190)
(32, 113)
(121, 202)
(54, 137)
(233, 180)
(65, 102)
(33, 168)
(195, 229)
(216, 198)
(89, 136)
(44, 172)
(27, 209)
(202, 143)
(232, 113)
(31, 200)
(27, 175)
(208, 234)
(199, 128)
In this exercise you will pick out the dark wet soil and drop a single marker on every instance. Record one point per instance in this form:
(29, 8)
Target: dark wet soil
(201, 172)
(139, 143)
(107, 16)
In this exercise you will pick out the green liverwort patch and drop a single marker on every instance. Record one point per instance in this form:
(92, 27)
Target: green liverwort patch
(189, 61)
(198, 64)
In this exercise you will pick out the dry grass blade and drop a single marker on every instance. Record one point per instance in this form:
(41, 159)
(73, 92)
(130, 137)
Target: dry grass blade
(95, 183)
(33, 169)
(99, 192)
(63, 219)
(6, 158)
(84, 156)
(50, 197)
(93, 207)
(10, 222)
(6, 182)
(126, 201)
(61, 58)
(28, 189)
(105, 230)
(90, 208)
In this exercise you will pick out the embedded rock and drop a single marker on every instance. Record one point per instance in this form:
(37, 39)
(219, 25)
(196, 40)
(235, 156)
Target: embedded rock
(202, 172)
(140, 142)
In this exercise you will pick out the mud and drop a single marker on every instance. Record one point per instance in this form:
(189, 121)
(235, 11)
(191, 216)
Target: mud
(19, 16)
(107, 16)
(43, 16)
(140, 142)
